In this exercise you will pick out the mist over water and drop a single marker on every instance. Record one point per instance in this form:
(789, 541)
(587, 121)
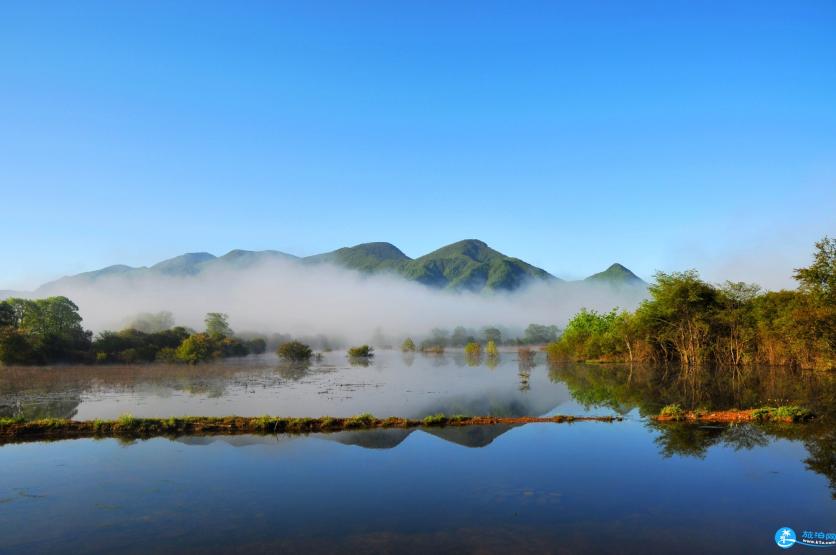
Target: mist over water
(291, 297)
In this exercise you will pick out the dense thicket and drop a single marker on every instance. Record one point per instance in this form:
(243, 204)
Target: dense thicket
(45, 331)
(692, 322)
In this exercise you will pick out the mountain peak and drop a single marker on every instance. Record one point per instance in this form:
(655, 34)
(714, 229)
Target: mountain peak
(616, 274)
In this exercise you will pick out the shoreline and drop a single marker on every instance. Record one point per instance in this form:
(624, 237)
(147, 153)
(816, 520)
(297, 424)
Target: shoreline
(17, 430)
(130, 427)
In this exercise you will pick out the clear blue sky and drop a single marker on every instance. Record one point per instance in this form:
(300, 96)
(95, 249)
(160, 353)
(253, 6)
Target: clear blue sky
(664, 135)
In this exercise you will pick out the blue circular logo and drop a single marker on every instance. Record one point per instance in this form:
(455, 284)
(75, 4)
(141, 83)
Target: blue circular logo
(785, 537)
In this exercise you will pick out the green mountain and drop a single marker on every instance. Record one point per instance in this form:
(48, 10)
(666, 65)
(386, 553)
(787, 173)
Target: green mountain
(469, 264)
(466, 265)
(472, 265)
(616, 275)
(366, 257)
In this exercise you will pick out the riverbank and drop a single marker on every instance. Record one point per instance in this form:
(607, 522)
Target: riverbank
(128, 426)
(785, 414)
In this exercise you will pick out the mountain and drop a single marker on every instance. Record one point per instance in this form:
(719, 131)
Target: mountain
(466, 265)
(366, 257)
(472, 265)
(616, 275)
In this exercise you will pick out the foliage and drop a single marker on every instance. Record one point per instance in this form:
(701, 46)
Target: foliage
(294, 351)
(689, 321)
(363, 351)
(473, 349)
(491, 350)
(408, 345)
(674, 412)
(42, 331)
(217, 324)
(536, 334)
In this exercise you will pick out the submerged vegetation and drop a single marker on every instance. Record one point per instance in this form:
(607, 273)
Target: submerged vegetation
(691, 322)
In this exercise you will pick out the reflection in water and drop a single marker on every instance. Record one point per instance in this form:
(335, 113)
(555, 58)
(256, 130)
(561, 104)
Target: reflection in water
(586, 487)
(416, 385)
(391, 384)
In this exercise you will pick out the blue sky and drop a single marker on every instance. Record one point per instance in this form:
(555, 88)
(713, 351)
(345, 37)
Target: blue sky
(664, 135)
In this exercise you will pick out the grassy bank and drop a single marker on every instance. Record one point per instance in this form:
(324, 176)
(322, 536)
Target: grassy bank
(787, 414)
(127, 426)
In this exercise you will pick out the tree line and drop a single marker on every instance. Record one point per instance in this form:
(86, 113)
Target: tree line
(46, 331)
(692, 322)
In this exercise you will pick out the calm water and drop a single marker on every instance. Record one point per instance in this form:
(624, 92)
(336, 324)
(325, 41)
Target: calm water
(626, 487)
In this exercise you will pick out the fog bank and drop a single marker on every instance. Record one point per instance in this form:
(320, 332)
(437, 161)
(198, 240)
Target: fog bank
(303, 299)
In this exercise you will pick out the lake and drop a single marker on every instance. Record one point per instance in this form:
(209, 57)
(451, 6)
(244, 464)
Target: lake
(626, 487)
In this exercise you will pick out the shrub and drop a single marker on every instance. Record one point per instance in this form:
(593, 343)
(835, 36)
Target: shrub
(674, 412)
(491, 349)
(473, 349)
(408, 345)
(294, 351)
(435, 419)
(363, 351)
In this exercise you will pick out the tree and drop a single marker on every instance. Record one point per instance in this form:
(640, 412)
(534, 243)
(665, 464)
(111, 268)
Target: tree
(492, 334)
(196, 348)
(539, 334)
(408, 345)
(295, 351)
(819, 279)
(491, 349)
(217, 324)
(459, 337)
(440, 337)
(152, 322)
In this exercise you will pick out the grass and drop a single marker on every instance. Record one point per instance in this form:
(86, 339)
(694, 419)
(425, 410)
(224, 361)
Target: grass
(784, 413)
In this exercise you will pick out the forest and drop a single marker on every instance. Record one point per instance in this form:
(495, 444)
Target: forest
(691, 322)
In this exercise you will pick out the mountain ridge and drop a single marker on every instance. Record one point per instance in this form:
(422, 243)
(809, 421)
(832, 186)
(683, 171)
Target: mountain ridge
(469, 264)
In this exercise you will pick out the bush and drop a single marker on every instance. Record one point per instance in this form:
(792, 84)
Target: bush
(408, 345)
(473, 349)
(294, 351)
(363, 351)
(674, 412)
(491, 349)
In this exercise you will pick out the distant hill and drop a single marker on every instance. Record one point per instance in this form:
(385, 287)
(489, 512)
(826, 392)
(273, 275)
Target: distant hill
(465, 265)
(616, 275)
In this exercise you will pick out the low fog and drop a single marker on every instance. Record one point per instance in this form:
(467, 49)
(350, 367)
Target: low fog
(306, 299)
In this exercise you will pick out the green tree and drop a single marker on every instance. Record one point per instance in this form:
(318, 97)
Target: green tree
(539, 334)
(217, 324)
(408, 345)
(819, 279)
(199, 347)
